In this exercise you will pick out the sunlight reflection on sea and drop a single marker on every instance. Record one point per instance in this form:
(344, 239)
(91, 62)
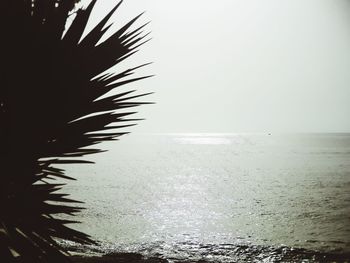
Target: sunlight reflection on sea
(219, 189)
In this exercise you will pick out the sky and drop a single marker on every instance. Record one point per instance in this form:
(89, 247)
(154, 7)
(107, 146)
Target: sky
(241, 65)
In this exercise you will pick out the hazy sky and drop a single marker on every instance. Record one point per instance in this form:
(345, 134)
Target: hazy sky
(243, 65)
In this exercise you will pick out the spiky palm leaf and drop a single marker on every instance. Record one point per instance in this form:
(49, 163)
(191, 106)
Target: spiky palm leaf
(50, 112)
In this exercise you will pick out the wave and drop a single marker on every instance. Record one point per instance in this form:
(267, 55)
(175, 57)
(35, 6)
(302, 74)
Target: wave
(194, 252)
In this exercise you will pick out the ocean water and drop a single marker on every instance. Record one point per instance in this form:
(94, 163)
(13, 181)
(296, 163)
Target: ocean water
(206, 195)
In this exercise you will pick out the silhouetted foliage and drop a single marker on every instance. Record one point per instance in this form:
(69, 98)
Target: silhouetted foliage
(50, 112)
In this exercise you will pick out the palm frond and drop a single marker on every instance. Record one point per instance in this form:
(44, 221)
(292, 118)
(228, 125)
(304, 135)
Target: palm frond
(53, 107)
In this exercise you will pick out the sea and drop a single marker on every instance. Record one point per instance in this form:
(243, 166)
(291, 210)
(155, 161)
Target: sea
(217, 197)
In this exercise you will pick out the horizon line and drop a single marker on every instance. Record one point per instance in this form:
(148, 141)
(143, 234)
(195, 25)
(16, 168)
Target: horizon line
(239, 133)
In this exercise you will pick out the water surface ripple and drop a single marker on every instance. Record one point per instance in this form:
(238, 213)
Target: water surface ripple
(201, 195)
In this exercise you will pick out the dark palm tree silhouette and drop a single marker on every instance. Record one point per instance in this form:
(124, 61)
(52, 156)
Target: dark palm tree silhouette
(50, 112)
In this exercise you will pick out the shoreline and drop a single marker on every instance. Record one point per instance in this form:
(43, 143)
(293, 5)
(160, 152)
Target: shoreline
(286, 256)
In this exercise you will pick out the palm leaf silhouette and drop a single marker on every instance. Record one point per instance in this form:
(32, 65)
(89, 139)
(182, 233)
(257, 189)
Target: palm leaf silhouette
(50, 112)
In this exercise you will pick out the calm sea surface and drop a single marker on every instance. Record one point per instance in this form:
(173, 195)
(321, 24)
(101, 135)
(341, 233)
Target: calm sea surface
(182, 194)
